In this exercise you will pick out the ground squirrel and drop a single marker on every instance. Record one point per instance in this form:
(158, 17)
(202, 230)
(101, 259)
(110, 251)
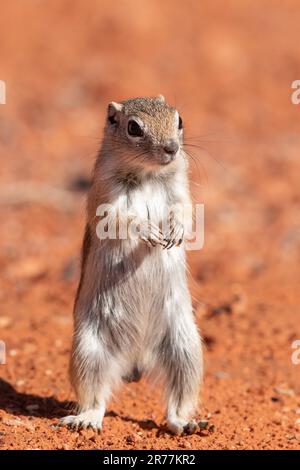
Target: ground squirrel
(133, 312)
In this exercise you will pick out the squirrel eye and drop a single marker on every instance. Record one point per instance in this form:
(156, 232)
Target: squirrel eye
(135, 129)
(180, 124)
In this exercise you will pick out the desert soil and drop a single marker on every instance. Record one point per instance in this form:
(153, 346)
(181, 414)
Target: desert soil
(228, 69)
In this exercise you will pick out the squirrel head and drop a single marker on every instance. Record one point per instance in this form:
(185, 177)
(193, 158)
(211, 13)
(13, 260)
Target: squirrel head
(145, 132)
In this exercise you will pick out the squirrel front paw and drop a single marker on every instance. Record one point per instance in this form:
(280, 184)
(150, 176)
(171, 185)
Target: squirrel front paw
(175, 232)
(150, 234)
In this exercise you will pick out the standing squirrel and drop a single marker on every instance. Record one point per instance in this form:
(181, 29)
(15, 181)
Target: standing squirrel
(133, 312)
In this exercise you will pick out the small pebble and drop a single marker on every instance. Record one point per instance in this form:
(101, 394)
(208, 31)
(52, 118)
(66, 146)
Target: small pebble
(211, 428)
(275, 399)
(185, 445)
(130, 439)
(277, 421)
(20, 382)
(31, 408)
(289, 391)
(203, 424)
(12, 422)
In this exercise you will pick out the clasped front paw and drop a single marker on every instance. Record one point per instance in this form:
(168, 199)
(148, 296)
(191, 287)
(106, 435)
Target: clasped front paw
(151, 234)
(174, 234)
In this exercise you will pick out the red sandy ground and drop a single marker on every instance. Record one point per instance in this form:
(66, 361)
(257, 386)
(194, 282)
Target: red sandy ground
(228, 68)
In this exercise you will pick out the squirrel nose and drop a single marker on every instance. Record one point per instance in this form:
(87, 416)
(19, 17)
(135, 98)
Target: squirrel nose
(171, 147)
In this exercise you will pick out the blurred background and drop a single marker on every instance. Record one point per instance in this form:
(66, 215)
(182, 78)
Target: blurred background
(228, 68)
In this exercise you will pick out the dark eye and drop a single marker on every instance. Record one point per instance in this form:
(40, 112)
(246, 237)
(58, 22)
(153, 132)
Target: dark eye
(180, 124)
(135, 129)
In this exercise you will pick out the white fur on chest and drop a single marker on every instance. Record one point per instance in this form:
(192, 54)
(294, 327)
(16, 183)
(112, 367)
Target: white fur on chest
(149, 201)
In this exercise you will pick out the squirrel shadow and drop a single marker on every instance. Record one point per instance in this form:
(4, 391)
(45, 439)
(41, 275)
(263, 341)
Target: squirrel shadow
(27, 404)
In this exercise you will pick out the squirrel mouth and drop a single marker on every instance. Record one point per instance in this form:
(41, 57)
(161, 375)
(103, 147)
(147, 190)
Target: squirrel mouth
(166, 159)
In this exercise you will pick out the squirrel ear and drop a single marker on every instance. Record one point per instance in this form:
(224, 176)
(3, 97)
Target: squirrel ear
(161, 98)
(112, 110)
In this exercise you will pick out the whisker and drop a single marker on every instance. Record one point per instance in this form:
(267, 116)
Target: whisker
(197, 163)
(206, 151)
